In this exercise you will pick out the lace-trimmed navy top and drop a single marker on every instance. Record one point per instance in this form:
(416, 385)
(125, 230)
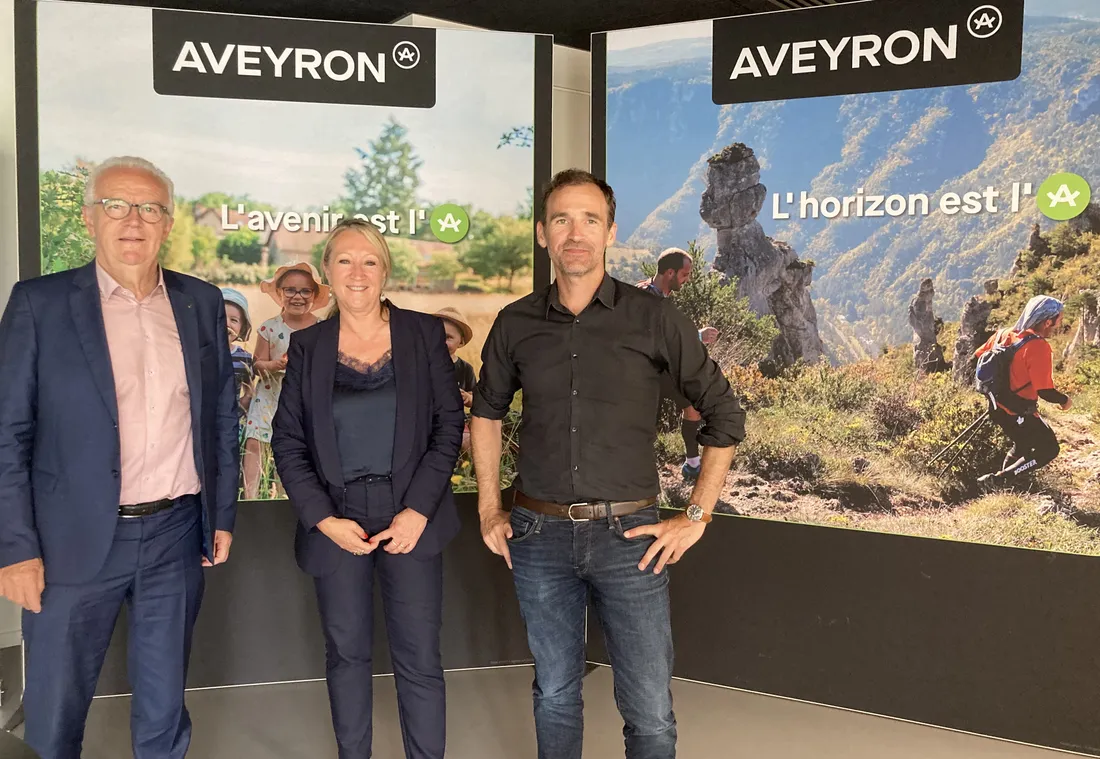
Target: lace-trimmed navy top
(364, 407)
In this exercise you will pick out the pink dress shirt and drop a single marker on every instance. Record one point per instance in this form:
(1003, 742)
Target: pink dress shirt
(154, 402)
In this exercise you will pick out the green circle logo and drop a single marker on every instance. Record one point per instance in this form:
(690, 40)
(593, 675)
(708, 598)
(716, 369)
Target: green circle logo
(450, 223)
(1063, 196)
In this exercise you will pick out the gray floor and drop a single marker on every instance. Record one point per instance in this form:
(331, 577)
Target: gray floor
(11, 685)
(490, 718)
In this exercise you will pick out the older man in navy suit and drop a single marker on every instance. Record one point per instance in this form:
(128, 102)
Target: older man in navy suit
(118, 466)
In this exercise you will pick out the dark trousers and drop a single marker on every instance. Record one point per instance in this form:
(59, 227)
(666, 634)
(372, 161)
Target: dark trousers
(558, 564)
(1034, 443)
(155, 568)
(412, 599)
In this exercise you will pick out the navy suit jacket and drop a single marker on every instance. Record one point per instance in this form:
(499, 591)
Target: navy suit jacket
(427, 434)
(60, 459)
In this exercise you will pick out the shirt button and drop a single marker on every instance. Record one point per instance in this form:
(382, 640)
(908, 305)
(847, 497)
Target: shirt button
(576, 321)
(576, 468)
(574, 355)
(574, 429)
(574, 392)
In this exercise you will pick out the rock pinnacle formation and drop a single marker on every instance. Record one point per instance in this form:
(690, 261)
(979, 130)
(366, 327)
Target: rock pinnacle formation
(927, 351)
(768, 271)
(973, 332)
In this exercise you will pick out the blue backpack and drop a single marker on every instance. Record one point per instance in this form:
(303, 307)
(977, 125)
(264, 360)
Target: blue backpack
(991, 376)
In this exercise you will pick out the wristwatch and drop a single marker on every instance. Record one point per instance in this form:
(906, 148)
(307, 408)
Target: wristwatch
(695, 513)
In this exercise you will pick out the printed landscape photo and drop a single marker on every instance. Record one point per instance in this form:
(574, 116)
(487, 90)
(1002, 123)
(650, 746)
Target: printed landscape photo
(257, 183)
(851, 336)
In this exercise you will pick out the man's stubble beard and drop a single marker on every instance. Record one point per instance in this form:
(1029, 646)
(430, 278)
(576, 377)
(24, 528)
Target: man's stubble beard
(575, 270)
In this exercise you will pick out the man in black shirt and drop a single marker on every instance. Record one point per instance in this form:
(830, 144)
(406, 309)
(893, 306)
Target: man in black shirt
(588, 353)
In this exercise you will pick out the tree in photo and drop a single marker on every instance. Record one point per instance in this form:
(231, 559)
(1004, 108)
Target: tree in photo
(64, 241)
(405, 263)
(387, 177)
(501, 248)
(178, 251)
(521, 137)
(525, 211)
(317, 256)
(241, 246)
(204, 245)
(443, 267)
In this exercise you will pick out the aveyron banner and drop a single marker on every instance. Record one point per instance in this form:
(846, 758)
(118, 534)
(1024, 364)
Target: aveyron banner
(870, 193)
(273, 130)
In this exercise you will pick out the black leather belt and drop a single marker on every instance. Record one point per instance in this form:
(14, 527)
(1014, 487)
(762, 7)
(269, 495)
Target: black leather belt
(583, 512)
(369, 479)
(130, 511)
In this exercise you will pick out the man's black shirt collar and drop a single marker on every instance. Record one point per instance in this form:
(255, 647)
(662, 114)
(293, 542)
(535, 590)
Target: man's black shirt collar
(605, 294)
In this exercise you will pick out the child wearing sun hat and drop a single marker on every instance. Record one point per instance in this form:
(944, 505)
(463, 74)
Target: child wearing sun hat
(459, 333)
(298, 289)
(239, 326)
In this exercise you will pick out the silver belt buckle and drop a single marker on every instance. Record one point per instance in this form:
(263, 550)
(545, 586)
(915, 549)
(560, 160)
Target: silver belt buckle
(577, 519)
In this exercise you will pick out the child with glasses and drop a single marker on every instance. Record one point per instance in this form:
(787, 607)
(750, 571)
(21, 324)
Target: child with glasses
(298, 289)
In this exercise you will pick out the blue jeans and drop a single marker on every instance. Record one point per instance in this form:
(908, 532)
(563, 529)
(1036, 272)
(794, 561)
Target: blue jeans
(556, 564)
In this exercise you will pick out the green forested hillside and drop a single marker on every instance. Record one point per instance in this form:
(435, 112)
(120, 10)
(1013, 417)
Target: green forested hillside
(918, 141)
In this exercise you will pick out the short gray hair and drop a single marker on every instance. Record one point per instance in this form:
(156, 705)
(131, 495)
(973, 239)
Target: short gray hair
(128, 162)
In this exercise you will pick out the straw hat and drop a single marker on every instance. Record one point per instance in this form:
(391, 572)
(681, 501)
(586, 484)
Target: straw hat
(236, 297)
(320, 300)
(455, 316)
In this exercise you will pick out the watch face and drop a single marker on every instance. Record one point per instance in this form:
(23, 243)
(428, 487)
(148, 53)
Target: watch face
(694, 513)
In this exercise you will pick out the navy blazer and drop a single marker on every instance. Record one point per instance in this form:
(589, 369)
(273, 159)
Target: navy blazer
(60, 458)
(427, 435)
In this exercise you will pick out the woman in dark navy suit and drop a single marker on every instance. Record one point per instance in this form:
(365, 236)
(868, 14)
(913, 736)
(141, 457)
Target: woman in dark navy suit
(365, 440)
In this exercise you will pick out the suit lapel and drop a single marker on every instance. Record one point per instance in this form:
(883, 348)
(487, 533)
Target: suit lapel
(322, 375)
(87, 311)
(403, 344)
(187, 324)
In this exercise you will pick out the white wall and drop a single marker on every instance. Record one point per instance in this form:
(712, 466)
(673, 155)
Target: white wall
(9, 250)
(572, 109)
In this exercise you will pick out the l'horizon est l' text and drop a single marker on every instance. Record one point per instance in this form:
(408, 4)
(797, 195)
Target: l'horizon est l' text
(863, 205)
(318, 221)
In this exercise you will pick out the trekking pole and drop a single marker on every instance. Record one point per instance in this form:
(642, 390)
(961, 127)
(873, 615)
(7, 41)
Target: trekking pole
(962, 448)
(974, 424)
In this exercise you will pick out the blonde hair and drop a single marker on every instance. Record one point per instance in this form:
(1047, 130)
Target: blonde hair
(376, 240)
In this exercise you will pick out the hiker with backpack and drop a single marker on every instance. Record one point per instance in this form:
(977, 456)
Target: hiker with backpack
(1015, 369)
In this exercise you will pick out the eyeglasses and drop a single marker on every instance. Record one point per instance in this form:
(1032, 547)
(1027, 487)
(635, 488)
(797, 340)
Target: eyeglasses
(116, 208)
(290, 292)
